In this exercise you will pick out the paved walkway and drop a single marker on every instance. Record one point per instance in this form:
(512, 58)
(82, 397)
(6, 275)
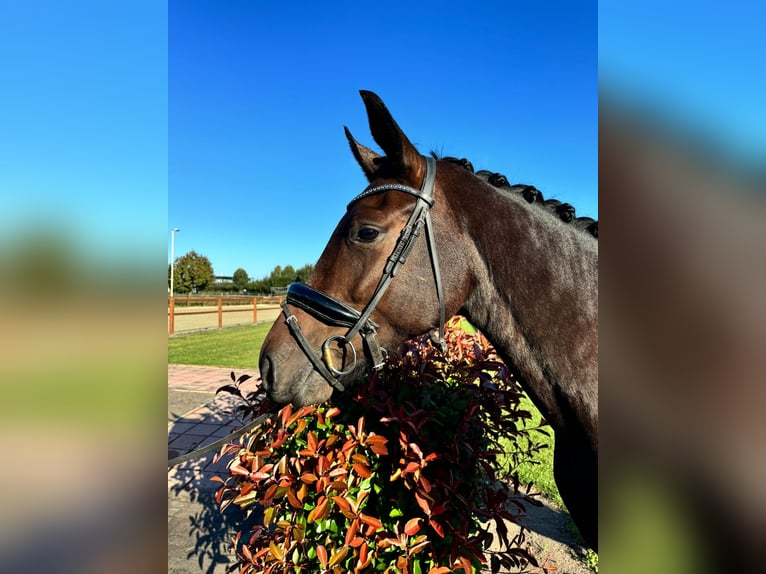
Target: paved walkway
(198, 534)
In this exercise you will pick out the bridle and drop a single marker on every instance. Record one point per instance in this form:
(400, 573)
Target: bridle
(328, 310)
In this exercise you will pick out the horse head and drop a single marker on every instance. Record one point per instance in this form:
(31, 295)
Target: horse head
(352, 310)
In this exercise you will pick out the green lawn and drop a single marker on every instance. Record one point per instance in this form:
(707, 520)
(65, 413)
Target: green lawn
(235, 347)
(540, 470)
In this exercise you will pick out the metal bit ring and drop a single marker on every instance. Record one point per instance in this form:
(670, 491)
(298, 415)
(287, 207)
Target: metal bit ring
(327, 355)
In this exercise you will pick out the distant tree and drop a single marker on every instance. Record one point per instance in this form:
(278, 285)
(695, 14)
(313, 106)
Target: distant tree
(288, 275)
(240, 279)
(303, 274)
(193, 272)
(282, 277)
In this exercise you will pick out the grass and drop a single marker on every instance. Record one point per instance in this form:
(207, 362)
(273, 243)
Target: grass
(235, 347)
(539, 471)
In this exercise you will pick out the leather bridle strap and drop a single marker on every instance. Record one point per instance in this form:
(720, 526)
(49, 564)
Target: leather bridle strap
(419, 218)
(330, 311)
(438, 281)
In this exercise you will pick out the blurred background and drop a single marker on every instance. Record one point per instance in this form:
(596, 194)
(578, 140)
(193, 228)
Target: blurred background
(682, 144)
(83, 181)
(83, 253)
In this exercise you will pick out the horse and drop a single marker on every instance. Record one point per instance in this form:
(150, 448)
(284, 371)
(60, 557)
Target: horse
(524, 277)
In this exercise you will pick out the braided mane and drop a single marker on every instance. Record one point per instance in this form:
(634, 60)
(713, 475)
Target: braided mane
(564, 211)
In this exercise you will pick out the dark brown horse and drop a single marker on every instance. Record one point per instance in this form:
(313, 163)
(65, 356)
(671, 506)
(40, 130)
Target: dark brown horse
(519, 273)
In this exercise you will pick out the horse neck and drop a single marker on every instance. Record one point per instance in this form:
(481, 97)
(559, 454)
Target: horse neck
(535, 297)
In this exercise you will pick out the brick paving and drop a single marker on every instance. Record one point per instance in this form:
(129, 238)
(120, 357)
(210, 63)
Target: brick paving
(198, 533)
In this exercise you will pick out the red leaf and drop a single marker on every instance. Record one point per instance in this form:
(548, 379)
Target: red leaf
(352, 530)
(269, 494)
(342, 503)
(360, 458)
(379, 449)
(259, 476)
(423, 503)
(424, 483)
(238, 469)
(370, 521)
(437, 527)
(362, 470)
(337, 486)
(364, 559)
(376, 439)
(293, 500)
(320, 511)
(322, 555)
(285, 414)
(465, 564)
(313, 441)
(246, 552)
(412, 526)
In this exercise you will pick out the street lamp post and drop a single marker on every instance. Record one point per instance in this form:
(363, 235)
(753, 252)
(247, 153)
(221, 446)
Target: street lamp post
(172, 257)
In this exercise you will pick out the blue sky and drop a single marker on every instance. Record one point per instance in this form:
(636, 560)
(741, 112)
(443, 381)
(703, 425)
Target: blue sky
(259, 171)
(120, 120)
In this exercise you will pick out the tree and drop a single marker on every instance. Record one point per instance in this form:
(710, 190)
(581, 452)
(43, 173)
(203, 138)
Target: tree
(193, 273)
(282, 277)
(240, 279)
(304, 273)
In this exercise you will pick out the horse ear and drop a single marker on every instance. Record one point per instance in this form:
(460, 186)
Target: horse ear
(367, 159)
(388, 135)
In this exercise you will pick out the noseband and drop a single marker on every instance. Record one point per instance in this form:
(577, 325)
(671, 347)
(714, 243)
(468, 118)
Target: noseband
(332, 312)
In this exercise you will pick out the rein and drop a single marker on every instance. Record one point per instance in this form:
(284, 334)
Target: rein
(329, 311)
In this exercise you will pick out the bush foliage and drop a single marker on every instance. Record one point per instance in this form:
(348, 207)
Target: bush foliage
(403, 476)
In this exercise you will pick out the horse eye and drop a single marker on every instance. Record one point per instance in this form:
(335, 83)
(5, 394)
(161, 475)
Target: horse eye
(367, 234)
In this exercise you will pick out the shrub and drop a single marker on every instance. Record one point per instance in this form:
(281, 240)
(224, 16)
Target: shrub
(404, 476)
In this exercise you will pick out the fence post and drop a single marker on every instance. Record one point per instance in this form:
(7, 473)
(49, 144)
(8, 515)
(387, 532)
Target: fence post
(255, 311)
(220, 313)
(171, 315)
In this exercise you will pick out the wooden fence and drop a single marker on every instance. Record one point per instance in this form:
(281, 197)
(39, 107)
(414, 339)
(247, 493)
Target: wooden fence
(215, 305)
